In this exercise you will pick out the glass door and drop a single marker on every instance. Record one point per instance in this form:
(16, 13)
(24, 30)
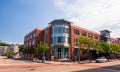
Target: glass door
(59, 53)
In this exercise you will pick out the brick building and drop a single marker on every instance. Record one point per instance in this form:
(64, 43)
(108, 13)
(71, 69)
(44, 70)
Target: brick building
(61, 35)
(31, 38)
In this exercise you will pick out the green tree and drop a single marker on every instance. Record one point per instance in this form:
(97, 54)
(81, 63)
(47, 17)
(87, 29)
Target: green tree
(41, 48)
(30, 51)
(115, 48)
(91, 45)
(85, 42)
(105, 49)
(9, 54)
(21, 48)
(4, 44)
(79, 43)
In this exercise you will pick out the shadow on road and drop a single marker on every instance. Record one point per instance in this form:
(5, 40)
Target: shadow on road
(115, 68)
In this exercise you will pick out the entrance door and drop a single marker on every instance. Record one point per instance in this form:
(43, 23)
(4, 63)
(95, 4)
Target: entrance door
(65, 52)
(62, 53)
(59, 55)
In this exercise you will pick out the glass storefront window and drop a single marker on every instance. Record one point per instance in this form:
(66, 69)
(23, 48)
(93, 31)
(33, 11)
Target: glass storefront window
(60, 33)
(59, 39)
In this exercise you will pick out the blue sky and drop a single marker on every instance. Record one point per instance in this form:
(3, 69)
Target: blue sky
(18, 17)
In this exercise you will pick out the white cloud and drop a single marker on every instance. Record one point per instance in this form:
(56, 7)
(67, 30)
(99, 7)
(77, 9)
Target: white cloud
(92, 14)
(14, 42)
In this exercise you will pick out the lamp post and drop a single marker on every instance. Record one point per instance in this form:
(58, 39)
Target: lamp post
(78, 53)
(43, 58)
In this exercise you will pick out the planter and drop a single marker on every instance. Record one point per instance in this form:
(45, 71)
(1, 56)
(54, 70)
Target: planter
(52, 58)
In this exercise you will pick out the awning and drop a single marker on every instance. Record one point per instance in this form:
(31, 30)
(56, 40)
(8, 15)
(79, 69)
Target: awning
(60, 47)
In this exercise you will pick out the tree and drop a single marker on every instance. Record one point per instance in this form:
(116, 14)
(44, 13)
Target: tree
(21, 48)
(80, 42)
(105, 49)
(41, 48)
(31, 50)
(90, 44)
(4, 44)
(10, 54)
(115, 49)
(85, 42)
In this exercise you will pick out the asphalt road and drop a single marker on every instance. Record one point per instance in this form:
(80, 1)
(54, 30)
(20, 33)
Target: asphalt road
(8, 65)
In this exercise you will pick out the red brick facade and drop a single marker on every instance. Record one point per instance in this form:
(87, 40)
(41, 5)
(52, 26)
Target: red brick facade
(74, 32)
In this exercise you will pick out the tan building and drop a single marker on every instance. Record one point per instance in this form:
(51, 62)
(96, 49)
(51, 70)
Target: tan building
(12, 48)
(4, 49)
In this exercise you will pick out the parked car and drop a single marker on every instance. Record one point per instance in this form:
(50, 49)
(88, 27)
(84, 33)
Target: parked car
(10, 57)
(101, 60)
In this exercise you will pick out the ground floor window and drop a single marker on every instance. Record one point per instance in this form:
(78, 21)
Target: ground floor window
(60, 53)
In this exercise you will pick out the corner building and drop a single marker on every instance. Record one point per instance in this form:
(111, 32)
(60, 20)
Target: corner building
(61, 36)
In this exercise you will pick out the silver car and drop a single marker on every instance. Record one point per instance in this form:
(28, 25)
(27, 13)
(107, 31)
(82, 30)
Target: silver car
(101, 60)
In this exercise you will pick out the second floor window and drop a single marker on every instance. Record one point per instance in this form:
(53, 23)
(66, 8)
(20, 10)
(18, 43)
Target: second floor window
(95, 36)
(30, 36)
(34, 34)
(90, 35)
(75, 40)
(76, 32)
(84, 33)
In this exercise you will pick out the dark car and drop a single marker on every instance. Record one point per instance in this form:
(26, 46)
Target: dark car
(101, 60)
(10, 57)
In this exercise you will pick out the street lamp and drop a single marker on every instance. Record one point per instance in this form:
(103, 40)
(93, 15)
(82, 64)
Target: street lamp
(78, 53)
(43, 58)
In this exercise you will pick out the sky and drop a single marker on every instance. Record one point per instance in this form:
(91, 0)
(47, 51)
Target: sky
(18, 17)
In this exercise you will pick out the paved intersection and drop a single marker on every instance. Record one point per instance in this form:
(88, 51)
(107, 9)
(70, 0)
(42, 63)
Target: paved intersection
(27, 66)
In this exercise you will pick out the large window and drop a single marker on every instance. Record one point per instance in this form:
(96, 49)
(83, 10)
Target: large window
(66, 30)
(33, 42)
(84, 33)
(60, 33)
(24, 39)
(68, 39)
(90, 35)
(30, 36)
(61, 30)
(75, 40)
(60, 39)
(76, 32)
(95, 36)
(34, 34)
(55, 30)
